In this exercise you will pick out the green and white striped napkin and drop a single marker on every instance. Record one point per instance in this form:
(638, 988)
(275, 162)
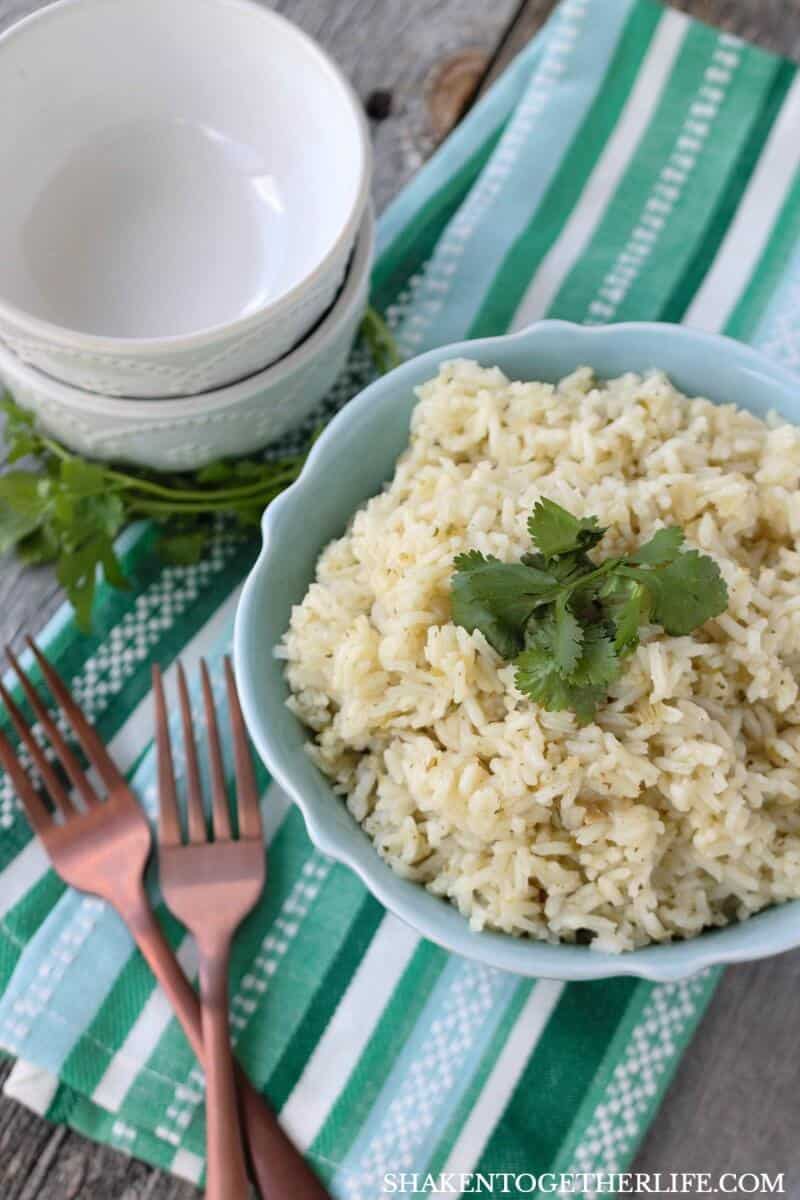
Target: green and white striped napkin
(631, 164)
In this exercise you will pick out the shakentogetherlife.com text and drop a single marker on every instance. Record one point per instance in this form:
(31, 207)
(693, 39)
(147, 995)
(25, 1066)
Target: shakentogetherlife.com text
(589, 1184)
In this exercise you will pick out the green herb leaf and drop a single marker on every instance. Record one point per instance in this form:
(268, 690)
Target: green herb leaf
(24, 492)
(686, 593)
(569, 622)
(567, 638)
(631, 611)
(663, 548)
(555, 531)
(567, 568)
(183, 548)
(599, 663)
(19, 432)
(41, 546)
(378, 337)
(15, 526)
(538, 673)
(539, 677)
(497, 598)
(76, 571)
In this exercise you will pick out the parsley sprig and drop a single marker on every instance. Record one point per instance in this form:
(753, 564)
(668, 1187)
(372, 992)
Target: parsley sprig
(62, 508)
(568, 622)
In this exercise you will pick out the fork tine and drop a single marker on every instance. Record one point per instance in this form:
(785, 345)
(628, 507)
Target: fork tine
(219, 799)
(87, 735)
(40, 820)
(49, 778)
(169, 821)
(194, 794)
(249, 812)
(77, 775)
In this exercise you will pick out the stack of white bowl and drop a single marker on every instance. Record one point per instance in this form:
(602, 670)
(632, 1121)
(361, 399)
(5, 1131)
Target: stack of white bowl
(185, 231)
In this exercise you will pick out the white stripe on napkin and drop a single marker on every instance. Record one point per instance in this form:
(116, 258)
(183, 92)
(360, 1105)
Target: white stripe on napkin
(143, 1037)
(507, 1070)
(25, 869)
(653, 76)
(187, 1165)
(349, 1030)
(31, 1085)
(753, 223)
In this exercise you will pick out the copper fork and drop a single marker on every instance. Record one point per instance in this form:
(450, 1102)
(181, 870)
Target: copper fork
(211, 887)
(100, 844)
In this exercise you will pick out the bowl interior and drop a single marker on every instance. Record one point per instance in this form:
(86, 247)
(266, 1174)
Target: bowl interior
(371, 432)
(164, 185)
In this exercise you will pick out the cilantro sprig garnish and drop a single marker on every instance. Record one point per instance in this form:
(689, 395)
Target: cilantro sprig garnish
(68, 510)
(568, 622)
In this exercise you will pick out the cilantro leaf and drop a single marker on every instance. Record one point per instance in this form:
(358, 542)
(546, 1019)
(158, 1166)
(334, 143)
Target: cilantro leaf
(497, 598)
(25, 493)
(598, 663)
(184, 547)
(567, 638)
(40, 546)
(663, 547)
(585, 702)
(112, 567)
(631, 611)
(15, 525)
(76, 571)
(555, 531)
(538, 676)
(566, 568)
(538, 673)
(19, 432)
(686, 593)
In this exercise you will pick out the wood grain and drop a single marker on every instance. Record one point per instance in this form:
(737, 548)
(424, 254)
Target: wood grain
(733, 1104)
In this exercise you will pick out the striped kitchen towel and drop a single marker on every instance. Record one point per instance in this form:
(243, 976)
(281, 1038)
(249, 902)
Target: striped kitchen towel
(630, 164)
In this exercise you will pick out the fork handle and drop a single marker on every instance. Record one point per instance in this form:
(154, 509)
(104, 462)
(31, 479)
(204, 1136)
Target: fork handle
(277, 1166)
(226, 1172)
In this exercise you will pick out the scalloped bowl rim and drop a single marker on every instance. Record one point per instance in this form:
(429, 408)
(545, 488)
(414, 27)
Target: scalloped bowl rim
(773, 931)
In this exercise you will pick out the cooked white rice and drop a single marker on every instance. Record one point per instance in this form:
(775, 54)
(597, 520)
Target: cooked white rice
(679, 807)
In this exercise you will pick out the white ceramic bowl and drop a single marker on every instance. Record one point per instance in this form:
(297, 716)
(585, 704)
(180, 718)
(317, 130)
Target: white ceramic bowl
(187, 433)
(183, 181)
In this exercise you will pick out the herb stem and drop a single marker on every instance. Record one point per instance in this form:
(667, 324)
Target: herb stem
(283, 470)
(167, 508)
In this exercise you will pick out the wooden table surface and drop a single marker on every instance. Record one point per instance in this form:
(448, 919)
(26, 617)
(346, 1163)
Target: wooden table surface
(733, 1105)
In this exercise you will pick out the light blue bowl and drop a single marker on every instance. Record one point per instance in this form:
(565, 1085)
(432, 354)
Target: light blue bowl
(350, 462)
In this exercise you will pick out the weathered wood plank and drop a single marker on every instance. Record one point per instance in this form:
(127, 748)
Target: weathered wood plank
(734, 1103)
(39, 1161)
(773, 24)
(395, 47)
